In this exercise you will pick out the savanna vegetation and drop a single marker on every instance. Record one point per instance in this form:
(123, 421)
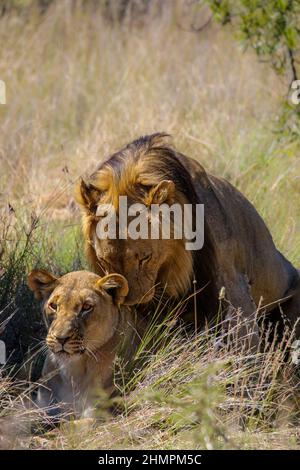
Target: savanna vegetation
(83, 78)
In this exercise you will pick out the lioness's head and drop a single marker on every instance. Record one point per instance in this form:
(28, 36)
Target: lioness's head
(81, 309)
(148, 172)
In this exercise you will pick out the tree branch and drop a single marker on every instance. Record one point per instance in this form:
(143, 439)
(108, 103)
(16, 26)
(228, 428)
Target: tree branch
(292, 64)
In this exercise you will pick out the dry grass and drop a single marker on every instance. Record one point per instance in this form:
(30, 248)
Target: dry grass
(78, 88)
(187, 395)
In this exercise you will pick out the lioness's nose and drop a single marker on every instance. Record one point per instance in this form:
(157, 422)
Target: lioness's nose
(62, 339)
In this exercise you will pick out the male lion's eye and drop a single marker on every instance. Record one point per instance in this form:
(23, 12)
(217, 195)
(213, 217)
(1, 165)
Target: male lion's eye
(146, 259)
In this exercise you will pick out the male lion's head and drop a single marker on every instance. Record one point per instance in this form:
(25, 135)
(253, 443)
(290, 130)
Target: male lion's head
(147, 172)
(81, 309)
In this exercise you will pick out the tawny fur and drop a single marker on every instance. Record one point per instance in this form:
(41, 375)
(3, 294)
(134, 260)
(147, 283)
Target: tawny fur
(77, 370)
(238, 254)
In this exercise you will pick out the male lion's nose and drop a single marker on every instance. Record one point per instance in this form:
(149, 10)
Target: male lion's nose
(62, 339)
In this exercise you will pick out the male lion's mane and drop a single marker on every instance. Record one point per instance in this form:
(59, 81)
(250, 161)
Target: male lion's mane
(151, 159)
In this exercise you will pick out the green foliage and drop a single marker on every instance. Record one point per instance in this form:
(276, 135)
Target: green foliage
(194, 409)
(270, 27)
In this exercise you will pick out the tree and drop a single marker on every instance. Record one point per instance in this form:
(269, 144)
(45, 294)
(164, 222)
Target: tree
(270, 27)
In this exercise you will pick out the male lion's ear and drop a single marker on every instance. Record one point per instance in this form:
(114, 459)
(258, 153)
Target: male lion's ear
(115, 285)
(42, 283)
(162, 192)
(87, 195)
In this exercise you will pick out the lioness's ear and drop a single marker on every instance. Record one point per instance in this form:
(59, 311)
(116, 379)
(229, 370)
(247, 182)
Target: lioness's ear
(41, 283)
(87, 196)
(115, 285)
(163, 192)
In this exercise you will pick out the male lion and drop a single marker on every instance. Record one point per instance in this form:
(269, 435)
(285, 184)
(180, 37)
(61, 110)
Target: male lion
(85, 326)
(238, 253)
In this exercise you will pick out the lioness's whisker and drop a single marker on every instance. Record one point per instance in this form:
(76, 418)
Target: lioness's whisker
(91, 353)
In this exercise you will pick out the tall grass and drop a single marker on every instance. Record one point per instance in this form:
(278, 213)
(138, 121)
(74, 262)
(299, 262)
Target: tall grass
(182, 393)
(80, 86)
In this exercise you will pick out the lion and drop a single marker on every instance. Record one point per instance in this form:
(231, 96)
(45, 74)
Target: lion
(238, 255)
(84, 319)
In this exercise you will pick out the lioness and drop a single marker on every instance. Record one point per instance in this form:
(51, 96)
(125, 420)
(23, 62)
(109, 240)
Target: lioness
(82, 311)
(238, 253)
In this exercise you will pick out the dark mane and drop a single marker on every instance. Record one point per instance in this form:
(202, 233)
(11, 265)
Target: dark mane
(164, 162)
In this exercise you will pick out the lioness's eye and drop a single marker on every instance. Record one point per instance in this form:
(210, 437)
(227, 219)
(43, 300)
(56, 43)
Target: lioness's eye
(53, 306)
(86, 308)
